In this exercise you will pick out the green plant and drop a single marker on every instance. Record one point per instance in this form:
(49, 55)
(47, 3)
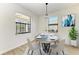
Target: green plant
(73, 33)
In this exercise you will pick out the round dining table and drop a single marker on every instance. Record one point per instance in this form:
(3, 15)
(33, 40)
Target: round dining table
(46, 40)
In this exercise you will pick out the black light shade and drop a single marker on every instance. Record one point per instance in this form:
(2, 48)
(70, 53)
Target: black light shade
(46, 3)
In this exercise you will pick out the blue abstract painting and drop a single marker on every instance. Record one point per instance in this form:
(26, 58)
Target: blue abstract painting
(68, 20)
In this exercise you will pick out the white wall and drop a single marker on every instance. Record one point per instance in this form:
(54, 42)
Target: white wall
(43, 24)
(8, 37)
(62, 31)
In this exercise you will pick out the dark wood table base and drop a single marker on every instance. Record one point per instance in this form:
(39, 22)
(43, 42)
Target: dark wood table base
(46, 47)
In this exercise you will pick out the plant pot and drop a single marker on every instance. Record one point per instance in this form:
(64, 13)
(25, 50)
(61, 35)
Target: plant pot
(74, 43)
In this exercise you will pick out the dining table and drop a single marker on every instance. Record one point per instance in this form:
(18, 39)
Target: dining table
(45, 39)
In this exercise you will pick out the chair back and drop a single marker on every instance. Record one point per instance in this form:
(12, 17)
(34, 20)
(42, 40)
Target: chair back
(29, 43)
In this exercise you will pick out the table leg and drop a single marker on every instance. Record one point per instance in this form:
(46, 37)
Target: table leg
(46, 47)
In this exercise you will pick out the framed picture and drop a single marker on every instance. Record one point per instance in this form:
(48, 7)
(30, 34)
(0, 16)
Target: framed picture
(68, 20)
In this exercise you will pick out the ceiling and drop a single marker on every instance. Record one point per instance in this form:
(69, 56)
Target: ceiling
(39, 8)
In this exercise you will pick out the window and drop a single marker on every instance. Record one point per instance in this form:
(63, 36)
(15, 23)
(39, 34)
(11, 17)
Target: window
(23, 24)
(53, 24)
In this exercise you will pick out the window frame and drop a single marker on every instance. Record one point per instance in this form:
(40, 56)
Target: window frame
(55, 24)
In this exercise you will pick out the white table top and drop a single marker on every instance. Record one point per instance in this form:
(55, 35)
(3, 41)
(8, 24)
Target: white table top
(46, 37)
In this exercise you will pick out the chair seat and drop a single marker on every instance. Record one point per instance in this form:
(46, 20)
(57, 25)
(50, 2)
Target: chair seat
(57, 49)
(34, 47)
(53, 46)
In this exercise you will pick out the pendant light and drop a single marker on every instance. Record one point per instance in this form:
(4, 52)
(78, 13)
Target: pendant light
(46, 11)
(46, 14)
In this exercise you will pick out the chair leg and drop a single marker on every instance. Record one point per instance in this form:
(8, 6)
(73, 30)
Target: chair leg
(32, 52)
(50, 51)
(28, 51)
(63, 52)
(57, 53)
(40, 51)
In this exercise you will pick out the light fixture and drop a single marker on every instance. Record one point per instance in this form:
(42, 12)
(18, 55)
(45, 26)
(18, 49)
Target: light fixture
(46, 9)
(46, 16)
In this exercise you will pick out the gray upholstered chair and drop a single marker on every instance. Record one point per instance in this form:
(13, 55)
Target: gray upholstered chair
(33, 48)
(57, 48)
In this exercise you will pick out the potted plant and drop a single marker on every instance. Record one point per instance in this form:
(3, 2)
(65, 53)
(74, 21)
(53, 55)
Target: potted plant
(73, 36)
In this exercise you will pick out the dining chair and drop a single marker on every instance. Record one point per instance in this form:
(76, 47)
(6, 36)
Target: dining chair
(33, 48)
(57, 48)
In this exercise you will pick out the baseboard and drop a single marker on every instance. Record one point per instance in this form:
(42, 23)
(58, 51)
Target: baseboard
(15, 48)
